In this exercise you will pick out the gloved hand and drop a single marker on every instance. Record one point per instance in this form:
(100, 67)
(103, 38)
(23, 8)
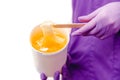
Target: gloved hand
(64, 71)
(102, 23)
(56, 76)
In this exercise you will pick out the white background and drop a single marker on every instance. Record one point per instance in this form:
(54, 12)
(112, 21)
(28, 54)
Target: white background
(17, 18)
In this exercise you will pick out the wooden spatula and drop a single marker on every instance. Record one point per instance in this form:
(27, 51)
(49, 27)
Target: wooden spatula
(73, 25)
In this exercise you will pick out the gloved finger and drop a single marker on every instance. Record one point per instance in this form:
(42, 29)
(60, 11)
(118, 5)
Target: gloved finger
(106, 35)
(83, 19)
(65, 72)
(94, 31)
(89, 26)
(57, 75)
(86, 33)
(100, 33)
(89, 17)
(108, 32)
(103, 37)
(43, 76)
(65, 68)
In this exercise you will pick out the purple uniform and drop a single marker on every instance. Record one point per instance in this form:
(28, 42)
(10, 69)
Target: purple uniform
(92, 58)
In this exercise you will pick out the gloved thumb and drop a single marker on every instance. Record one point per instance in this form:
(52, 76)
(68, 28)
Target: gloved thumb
(43, 76)
(88, 17)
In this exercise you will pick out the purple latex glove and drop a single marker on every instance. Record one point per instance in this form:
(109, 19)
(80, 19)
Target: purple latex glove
(100, 21)
(64, 71)
(56, 76)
